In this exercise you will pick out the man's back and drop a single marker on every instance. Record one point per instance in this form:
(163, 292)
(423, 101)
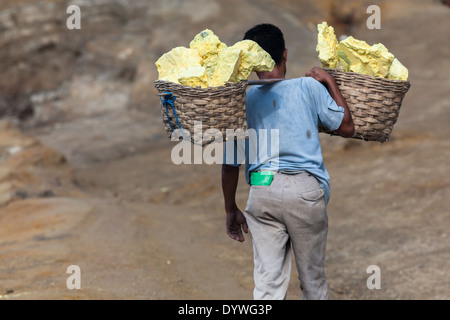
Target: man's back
(294, 108)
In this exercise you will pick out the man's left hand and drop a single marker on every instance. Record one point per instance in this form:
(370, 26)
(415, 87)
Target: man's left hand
(320, 75)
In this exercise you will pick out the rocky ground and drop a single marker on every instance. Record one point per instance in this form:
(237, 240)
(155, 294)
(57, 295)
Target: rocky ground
(86, 177)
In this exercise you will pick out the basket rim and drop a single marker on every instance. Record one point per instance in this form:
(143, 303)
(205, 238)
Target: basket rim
(369, 77)
(229, 85)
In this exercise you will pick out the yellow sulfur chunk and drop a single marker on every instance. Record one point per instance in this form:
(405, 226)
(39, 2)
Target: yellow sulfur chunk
(209, 46)
(210, 63)
(176, 61)
(358, 56)
(227, 67)
(194, 76)
(327, 46)
(253, 58)
(352, 55)
(398, 71)
(381, 60)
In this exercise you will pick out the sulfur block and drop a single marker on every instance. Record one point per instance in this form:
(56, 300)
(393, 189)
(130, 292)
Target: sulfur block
(398, 71)
(357, 56)
(194, 76)
(253, 58)
(227, 67)
(352, 54)
(327, 46)
(380, 59)
(176, 61)
(208, 62)
(209, 46)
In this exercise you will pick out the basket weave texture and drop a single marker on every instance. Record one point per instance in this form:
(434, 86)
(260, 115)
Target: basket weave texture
(200, 109)
(373, 102)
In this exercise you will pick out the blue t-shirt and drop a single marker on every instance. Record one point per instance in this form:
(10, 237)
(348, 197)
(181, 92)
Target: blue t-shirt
(283, 121)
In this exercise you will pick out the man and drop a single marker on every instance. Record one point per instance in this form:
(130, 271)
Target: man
(289, 191)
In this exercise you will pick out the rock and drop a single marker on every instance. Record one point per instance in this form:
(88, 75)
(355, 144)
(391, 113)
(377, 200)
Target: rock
(119, 41)
(21, 194)
(143, 93)
(47, 194)
(40, 54)
(31, 168)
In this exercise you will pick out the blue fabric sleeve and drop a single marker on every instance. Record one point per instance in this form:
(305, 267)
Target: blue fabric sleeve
(330, 114)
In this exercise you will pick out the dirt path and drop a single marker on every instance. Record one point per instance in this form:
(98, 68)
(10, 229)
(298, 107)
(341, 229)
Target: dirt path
(133, 235)
(157, 231)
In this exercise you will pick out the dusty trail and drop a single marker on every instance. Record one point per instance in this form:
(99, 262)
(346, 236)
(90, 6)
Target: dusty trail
(127, 242)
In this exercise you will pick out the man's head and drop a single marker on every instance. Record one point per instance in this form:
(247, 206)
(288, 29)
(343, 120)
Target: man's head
(271, 39)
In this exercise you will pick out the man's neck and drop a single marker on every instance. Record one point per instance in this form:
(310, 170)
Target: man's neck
(276, 73)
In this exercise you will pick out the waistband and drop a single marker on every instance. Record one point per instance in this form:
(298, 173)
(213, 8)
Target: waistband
(282, 172)
(265, 177)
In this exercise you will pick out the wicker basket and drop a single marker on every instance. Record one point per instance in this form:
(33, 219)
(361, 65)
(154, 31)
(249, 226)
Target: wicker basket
(198, 109)
(373, 102)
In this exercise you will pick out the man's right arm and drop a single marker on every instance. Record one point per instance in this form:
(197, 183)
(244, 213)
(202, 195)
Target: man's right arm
(235, 220)
(230, 178)
(347, 128)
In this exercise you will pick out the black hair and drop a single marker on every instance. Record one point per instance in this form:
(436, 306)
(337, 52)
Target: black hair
(270, 38)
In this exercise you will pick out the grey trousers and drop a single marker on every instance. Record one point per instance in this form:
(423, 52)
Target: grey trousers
(289, 212)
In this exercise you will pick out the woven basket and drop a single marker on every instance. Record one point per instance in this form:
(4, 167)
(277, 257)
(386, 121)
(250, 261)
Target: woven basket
(373, 102)
(198, 109)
